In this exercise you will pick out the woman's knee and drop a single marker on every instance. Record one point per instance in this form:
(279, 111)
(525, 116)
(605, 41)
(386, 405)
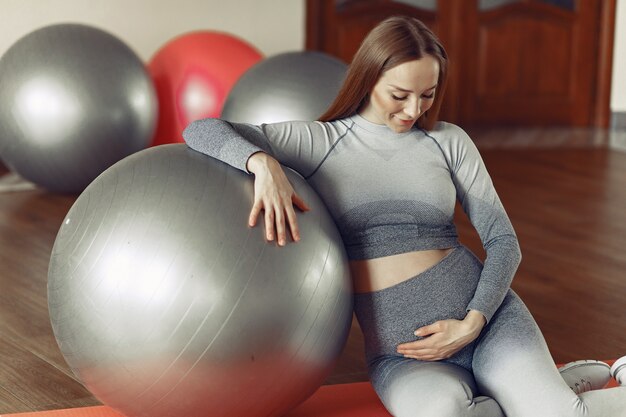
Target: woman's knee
(453, 399)
(434, 389)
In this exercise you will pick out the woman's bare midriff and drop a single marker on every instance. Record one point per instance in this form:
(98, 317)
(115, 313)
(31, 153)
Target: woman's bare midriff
(377, 274)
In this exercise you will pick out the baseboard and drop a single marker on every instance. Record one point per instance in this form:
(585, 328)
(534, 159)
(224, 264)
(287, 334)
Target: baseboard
(617, 133)
(618, 120)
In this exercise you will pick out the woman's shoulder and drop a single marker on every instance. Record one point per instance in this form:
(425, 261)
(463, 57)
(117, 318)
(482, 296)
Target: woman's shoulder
(450, 135)
(447, 130)
(303, 124)
(453, 140)
(293, 127)
(320, 133)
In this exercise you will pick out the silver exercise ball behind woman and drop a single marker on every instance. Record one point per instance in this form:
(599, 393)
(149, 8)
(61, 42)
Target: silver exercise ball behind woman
(73, 101)
(289, 86)
(164, 303)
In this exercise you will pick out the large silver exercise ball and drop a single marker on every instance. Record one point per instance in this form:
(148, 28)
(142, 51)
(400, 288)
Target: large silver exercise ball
(165, 303)
(73, 101)
(289, 86)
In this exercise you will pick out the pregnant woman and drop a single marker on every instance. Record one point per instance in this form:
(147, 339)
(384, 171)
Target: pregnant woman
(445, 335)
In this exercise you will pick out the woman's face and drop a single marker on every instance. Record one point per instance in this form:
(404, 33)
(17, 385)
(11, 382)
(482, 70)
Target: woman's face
(402, 94)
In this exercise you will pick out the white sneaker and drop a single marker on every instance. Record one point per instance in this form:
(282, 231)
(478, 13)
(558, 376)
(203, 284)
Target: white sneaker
(586, 375)
(618, 370)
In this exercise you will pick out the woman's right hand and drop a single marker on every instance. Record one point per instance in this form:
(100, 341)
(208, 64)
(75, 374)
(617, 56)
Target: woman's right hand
(274, 194)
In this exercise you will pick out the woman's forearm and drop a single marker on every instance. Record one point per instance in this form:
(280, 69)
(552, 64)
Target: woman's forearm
(230, 143)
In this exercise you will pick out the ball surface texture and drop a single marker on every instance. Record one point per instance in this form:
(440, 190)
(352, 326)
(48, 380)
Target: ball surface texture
(73, 101)
(165, 302)
(285, 87)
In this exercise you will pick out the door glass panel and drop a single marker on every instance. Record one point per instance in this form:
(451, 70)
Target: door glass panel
(484, 5)
(564, 4)
(420, 4)
(492, 4)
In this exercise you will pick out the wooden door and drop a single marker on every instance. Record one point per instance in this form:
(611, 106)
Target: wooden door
(514, 62)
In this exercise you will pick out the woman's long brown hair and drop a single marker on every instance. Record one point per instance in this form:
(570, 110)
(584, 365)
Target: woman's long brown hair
(392, 42)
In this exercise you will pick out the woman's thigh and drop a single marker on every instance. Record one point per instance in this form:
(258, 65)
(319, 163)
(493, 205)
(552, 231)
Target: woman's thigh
(513, 365)
(410, 388)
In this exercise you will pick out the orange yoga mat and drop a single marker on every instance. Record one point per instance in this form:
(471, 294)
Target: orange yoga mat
(344, 400)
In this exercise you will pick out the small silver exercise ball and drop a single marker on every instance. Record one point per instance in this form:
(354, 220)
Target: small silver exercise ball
(164, 302)
(73, 101)
(289, 86)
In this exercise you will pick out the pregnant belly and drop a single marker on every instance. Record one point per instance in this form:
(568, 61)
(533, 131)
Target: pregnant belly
(389, 316)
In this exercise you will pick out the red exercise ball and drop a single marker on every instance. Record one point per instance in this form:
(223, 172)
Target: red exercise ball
(193, 74)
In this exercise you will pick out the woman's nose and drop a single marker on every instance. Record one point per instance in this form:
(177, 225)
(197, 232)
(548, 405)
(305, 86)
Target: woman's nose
(413, 109)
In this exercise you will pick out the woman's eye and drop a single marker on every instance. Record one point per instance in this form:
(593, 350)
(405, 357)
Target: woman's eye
(398, 98)
(429, 96)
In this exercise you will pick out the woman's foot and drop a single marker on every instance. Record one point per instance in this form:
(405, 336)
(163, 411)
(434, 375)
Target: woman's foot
(587, 375)
(618, 370)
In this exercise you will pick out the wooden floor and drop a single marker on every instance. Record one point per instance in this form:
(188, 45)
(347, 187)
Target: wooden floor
(565, 193)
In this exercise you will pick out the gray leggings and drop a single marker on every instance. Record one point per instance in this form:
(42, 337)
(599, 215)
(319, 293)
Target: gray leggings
(507, 371)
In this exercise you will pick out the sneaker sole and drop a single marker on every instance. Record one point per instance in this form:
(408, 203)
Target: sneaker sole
(619, 367)
(596, 374)
(586, 363)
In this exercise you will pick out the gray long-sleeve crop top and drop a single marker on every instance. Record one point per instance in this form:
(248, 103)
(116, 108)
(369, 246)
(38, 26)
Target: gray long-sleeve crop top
(388, 192)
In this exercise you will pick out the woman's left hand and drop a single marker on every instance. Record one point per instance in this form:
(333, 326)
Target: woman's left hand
(443, 338)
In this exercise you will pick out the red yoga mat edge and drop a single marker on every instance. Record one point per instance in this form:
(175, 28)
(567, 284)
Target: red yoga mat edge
(357, 399)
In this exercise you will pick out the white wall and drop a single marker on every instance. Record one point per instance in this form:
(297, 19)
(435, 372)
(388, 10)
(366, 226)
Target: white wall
(272, 26)
(618, 86)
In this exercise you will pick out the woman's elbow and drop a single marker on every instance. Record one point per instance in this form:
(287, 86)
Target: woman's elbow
(506, 246)
(191, 133)
(516, 251)
(519, 257)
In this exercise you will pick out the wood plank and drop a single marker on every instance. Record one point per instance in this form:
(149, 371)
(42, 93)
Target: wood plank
(568, 208)
(351, 366)
(9, 403)
(29, 222)
(33, 382)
